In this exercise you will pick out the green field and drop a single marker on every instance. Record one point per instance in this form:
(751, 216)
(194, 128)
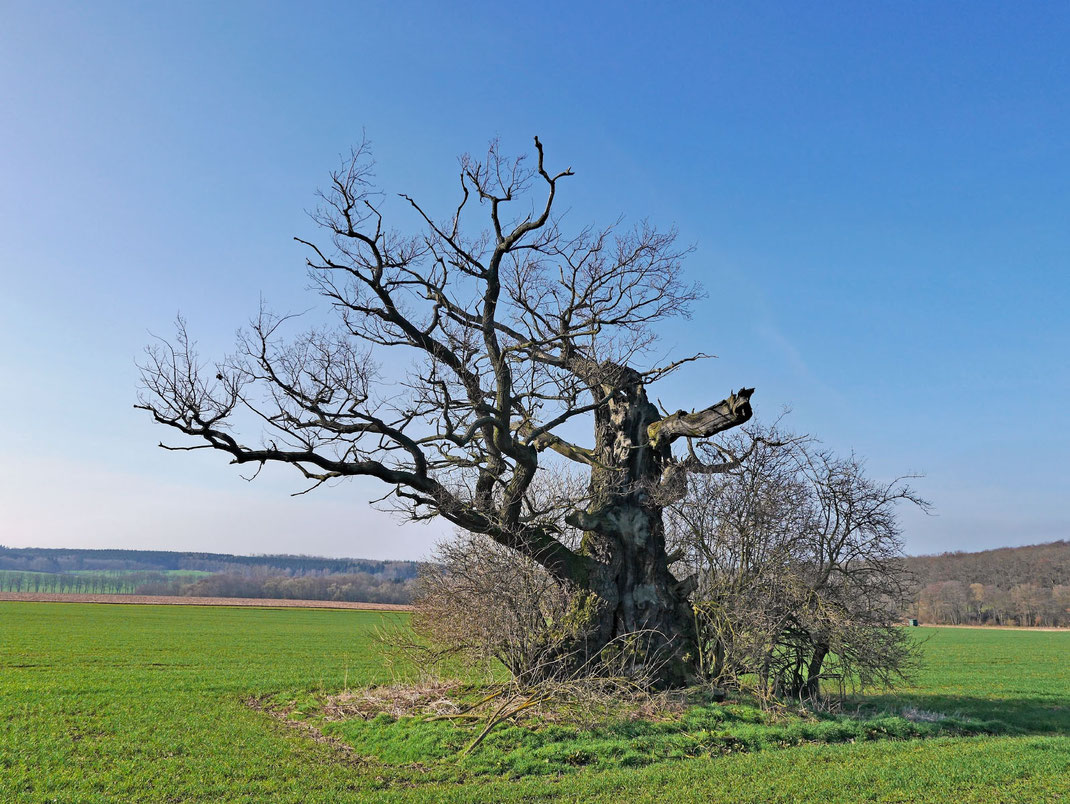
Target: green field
(146, 703)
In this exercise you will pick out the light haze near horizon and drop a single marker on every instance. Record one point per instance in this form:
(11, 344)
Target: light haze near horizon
(878, 196)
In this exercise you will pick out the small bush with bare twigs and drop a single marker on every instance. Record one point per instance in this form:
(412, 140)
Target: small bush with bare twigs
(618, 683)
(800, 583)
(483, 603)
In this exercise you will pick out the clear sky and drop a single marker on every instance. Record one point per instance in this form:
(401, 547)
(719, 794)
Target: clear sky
(878, 193)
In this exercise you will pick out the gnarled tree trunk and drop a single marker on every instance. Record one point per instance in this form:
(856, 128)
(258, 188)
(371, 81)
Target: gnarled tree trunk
(633, 477)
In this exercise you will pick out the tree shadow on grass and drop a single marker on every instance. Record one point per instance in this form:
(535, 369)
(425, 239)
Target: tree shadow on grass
(1033, 715)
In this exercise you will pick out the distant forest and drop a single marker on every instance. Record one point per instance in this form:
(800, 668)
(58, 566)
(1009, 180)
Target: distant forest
(151, 572)
(1027, 586)
(1010, 586)
(50, 559)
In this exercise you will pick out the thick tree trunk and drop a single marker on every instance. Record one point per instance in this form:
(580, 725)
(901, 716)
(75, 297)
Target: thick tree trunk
(812, 689)
(623, 530)
(638, 596)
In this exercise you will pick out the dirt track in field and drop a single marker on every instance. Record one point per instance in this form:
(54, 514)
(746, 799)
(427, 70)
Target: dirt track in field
(165, 600)
(1000, 627)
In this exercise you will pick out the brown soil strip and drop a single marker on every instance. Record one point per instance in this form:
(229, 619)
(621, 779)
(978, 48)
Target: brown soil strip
(341, 749)
(165, 600)
(1000, 627)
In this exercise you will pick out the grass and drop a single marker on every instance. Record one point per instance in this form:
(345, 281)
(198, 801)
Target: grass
(701, 732)
(1019, 678)
(146, 703)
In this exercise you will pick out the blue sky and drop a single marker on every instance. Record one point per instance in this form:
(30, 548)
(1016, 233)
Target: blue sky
(878, 194)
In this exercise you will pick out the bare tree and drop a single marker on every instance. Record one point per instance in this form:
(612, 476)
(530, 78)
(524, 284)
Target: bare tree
(798, 557)
(491, 603)
(521, 334)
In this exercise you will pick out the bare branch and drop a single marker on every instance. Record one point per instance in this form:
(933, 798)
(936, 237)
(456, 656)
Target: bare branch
(726, 414)
(502, 337)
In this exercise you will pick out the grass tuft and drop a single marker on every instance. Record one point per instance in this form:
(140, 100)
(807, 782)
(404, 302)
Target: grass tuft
(537, 747)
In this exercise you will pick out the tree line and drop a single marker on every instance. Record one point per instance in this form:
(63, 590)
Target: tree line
(356, 587)
(1024, 586)
(66, 560)
(81, 583)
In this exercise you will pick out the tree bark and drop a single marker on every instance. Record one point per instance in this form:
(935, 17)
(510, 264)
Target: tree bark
(624, 534)
(813, 671)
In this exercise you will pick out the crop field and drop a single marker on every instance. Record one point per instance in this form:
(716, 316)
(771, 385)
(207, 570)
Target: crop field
(151, 703)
